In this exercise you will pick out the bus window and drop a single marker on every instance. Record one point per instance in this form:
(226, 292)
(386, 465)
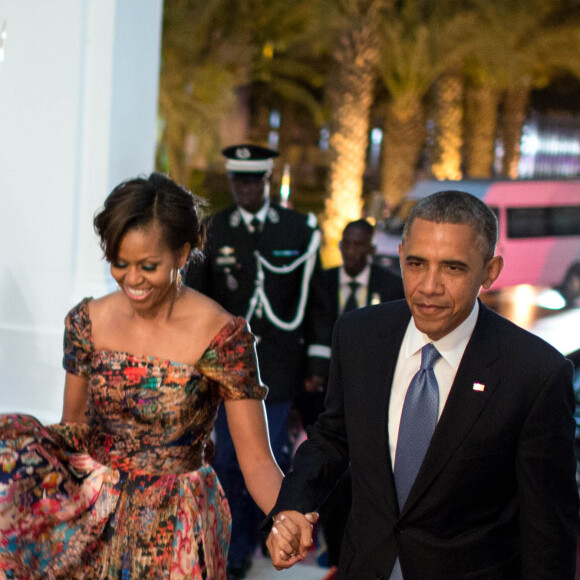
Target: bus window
(538, 222)
(566, 221)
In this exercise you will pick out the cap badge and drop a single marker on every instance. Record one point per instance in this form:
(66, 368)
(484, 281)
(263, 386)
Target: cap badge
(243, 153)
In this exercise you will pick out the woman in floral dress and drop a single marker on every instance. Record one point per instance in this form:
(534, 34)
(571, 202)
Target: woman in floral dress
(122, 487)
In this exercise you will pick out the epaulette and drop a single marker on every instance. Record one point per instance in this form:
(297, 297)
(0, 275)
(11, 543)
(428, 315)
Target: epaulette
(312, 221)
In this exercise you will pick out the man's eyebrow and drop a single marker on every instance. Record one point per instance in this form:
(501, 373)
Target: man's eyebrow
(457, 263)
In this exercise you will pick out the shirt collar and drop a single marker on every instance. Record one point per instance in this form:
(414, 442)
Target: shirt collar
(362, 278)
(261, 214)
(451, 346)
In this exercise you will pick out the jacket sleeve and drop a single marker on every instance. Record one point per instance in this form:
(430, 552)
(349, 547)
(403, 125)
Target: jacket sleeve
(545, 471)
(323, 457)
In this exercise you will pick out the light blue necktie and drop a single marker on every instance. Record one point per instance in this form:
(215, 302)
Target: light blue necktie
(418, 421)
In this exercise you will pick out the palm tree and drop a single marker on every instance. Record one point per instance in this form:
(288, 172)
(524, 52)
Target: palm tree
(554, 50)
(446, 155)
(419, 44)
(482, 98)
(511, 60)
(350, 92)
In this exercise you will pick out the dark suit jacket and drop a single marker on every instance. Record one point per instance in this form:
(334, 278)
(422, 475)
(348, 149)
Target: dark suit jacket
(495, 498)
(382, 283)
(229, 257)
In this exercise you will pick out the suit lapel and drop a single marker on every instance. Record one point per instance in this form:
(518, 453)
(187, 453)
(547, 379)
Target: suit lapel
(463, 405)
(372, 287)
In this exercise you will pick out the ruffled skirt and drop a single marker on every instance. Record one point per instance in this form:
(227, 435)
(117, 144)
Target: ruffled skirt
(64, 515)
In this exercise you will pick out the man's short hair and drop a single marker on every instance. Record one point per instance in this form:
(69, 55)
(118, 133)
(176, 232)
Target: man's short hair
(458, 207)
(361, 225)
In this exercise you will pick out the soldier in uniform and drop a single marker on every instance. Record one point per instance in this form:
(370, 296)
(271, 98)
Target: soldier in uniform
(262, 263)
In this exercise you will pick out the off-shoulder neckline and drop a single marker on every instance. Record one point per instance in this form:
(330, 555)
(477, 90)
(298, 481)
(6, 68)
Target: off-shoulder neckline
(83, 308)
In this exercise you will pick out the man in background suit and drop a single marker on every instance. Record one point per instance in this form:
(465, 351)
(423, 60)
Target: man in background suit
(262, 263)
(356, 283)
(457, 424)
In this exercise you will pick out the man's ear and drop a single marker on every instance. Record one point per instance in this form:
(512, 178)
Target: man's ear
(492, 271)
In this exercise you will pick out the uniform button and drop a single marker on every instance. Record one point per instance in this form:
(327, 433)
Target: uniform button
(398, 530)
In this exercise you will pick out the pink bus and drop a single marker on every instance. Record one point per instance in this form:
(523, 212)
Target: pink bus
(539, 229)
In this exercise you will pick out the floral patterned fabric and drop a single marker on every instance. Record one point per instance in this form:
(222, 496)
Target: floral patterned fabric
(130, 494)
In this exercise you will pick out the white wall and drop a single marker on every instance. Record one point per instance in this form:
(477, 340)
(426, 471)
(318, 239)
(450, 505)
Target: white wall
(78, 102)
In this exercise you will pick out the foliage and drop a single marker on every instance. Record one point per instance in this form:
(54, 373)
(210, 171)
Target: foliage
(197, 83)
(215, 51)
(211, 49)
(419, 43)
(350, 89)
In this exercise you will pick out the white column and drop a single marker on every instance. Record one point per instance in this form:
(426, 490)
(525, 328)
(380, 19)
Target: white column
(78, 104)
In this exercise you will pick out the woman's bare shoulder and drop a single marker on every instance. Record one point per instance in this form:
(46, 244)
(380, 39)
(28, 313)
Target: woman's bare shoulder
(205, 310)
(204, 304)
(105, 306)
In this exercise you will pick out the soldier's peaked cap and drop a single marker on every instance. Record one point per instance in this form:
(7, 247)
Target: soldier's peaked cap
(248, 158)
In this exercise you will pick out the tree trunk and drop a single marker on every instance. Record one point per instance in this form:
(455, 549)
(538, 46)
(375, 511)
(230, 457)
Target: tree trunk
(481, 104)
(403, 138)
(515, 106)
(351, 96)
(448, 117)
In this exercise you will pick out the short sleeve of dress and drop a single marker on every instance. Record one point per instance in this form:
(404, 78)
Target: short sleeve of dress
(78, 346)
(231, 362)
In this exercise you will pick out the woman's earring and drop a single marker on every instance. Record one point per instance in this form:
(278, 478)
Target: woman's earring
(179, 281)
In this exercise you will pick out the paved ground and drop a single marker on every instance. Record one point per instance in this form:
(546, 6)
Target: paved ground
(262, 570)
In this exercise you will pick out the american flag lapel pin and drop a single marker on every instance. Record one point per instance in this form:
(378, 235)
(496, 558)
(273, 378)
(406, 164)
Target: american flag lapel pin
(479, 387)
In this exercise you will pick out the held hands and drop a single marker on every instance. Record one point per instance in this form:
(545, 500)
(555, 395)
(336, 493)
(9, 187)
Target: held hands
(290, 538)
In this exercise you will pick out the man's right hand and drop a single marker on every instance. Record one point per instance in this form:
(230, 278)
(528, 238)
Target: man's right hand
(290, 538)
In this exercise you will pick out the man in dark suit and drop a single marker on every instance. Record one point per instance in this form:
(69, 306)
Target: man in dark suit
(458, 425)
(262, 263)
(358, 282)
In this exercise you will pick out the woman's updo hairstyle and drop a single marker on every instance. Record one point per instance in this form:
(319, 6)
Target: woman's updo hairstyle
(136, 203)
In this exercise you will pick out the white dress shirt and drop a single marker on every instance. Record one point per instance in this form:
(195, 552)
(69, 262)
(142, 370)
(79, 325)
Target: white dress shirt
(451, 347)
(344, 289)
(260, 215)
